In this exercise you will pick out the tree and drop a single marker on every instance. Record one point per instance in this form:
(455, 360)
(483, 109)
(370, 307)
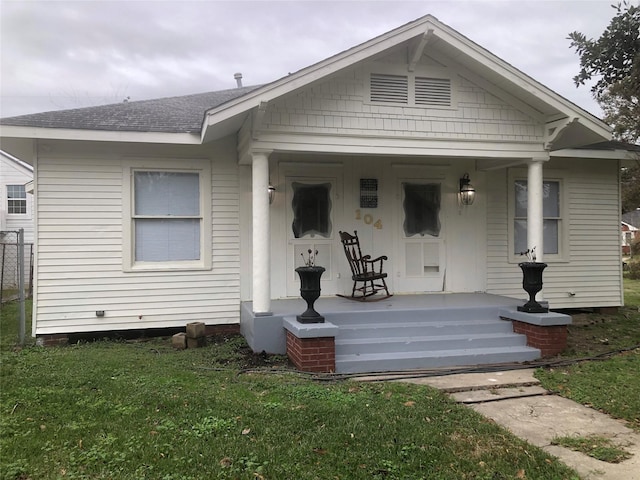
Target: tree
(615, 59)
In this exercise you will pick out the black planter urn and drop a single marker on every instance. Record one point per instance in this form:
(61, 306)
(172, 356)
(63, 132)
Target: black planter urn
(532, 284)
(310, 291)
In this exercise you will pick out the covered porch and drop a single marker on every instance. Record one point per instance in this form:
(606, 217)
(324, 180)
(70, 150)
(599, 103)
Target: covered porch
(403, 332)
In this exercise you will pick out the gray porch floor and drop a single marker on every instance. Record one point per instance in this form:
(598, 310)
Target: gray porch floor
(461, 313)
(435, 301)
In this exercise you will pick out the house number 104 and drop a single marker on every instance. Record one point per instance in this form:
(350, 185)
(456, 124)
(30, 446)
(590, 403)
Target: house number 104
(368, 219)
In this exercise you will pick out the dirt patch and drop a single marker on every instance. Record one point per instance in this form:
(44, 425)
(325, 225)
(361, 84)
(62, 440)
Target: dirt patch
(592, 333)
(232, 350)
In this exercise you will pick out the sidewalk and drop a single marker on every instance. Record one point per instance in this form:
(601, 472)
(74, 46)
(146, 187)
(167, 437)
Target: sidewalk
(515, 400)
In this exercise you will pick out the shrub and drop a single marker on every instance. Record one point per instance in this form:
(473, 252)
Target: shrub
(635, 247)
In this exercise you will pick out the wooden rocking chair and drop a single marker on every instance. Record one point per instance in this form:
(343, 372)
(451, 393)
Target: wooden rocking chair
(363, 270)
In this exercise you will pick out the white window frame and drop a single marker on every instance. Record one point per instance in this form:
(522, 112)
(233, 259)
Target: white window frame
(203, 169)
(15, 199)
(420, 71)
(563, 220)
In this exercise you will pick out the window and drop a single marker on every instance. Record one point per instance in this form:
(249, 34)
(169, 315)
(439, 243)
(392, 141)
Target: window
(167, 217)
(311, 206)
(16, 200)
(421, 209)
(552, 219)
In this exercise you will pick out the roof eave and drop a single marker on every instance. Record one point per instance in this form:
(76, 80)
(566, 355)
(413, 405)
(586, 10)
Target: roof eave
(41, 133)
(599, 154)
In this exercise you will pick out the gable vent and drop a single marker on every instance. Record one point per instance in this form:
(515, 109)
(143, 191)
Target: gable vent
(389, 88)
(433, 91)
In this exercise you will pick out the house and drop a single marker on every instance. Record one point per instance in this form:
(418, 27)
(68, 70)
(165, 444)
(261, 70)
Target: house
(630, 230)
(16, 212)
(157, 213)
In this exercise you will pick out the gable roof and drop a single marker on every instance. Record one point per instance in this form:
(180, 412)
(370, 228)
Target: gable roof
(632, 218)
(520, 89)
(215, 114)
(16, 163)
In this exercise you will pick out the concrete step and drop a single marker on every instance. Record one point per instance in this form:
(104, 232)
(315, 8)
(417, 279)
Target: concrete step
(401, 328)
(345, 346)
(395, 361)
(431, 315)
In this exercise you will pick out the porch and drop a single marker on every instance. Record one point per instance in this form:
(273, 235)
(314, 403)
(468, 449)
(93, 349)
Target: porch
(399, 333)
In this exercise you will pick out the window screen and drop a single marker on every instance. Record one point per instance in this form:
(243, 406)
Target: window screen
(311, 206)
(421, 209)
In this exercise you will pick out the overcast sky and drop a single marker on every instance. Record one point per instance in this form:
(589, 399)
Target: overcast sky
(69, 54)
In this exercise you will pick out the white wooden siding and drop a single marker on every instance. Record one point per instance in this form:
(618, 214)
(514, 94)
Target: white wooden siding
(80, 248)
(592, 270)
(339, 106)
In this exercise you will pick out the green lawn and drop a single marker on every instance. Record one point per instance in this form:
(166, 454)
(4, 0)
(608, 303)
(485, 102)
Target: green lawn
(631, 292)
(141, 410)
(611, 385)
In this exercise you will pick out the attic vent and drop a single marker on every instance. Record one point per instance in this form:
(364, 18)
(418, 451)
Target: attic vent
(389, 88)
(433, 91)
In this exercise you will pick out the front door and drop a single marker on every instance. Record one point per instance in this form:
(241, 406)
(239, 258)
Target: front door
(313, 210)
(420, 244)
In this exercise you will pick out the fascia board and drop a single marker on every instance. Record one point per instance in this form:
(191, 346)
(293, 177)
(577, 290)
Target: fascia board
(598, 154)
(15, 162)
(318, 71)
(8, 131)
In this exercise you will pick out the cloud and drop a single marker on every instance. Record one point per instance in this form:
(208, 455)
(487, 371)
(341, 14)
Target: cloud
(65, 54)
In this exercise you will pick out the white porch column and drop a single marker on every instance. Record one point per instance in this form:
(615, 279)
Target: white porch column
(535, 216)
(261, 234)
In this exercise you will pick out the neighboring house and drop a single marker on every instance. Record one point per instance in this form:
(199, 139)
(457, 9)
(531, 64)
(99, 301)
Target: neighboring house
(156, 213)
(630, 230)
(629, 234)
(16, 212)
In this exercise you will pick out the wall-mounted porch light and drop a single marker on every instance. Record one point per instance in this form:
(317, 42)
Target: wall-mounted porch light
(467, 193)
(272, 192)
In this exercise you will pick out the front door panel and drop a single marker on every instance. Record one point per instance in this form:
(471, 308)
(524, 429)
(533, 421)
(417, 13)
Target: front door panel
(420, 246)
(312, 212)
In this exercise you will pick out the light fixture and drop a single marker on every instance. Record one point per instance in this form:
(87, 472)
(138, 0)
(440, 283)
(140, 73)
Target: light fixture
(467, 193)
(272, 192)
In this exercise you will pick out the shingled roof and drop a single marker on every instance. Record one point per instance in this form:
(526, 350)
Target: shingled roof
(167, 115)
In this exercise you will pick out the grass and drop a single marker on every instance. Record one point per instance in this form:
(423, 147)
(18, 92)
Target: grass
(611, 385)
(600, 448)
(631, 291)
(141, 410)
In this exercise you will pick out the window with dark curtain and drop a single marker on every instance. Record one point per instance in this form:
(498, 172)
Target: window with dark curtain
(421, 209)
(311, 206)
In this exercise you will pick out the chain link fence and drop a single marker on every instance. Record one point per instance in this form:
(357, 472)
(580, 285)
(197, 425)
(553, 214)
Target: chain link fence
(11, 263)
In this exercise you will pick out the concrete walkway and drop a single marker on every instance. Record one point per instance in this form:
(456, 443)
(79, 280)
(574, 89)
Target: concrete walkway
(515, 400)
